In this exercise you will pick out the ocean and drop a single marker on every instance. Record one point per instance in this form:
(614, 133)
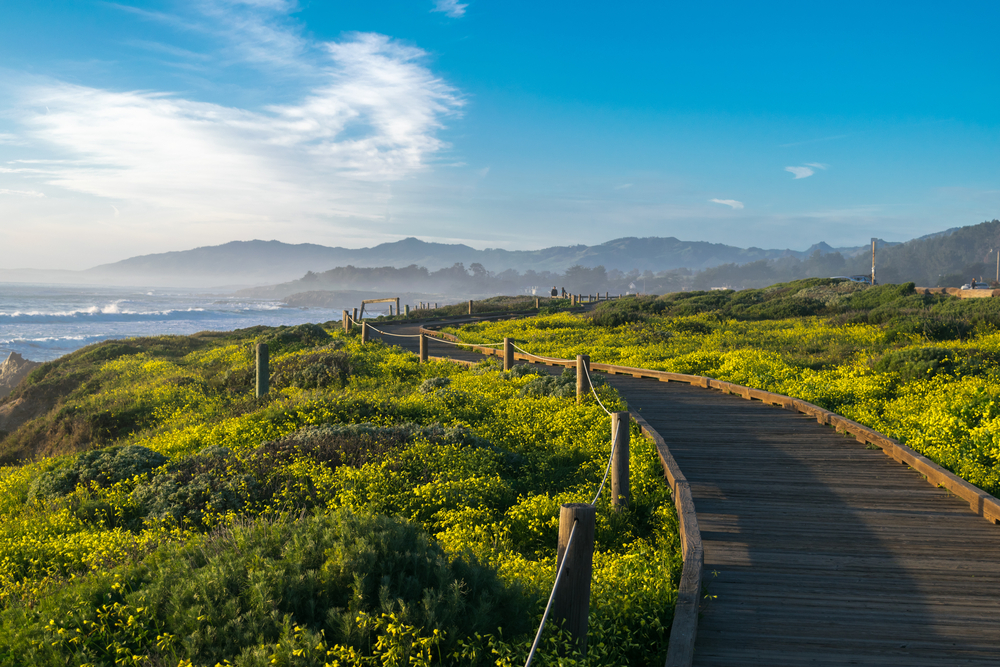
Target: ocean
(44, 322)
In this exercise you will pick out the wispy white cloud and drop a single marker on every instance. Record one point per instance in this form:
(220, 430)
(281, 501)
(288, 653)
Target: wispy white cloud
(623, 186)
(817, 165)
(23, 193)
(371, 116)
(167, 49)
(732, 203)
(451, 8)
(800, 172)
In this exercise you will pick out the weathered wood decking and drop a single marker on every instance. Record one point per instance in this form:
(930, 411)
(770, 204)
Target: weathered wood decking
(818, 550)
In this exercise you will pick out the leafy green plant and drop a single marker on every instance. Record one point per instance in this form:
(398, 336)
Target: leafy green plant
(103, 467)
(562, 386)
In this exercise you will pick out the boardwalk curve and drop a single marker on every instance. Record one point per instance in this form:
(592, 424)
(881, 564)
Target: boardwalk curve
(818, 548)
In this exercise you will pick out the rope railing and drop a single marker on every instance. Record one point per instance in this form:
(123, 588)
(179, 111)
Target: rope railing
(614, 444)
(552, 596)
(386, 333)
(538, 356)
(594, 391)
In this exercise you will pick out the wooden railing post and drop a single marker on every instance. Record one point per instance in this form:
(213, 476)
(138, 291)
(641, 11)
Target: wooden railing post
(572, 599)
(354, 317)
(263, 371)
(407, 307)
(582, 379)
(508, 354)
(621, 493)
(347, 322)
(397, 306)
(536, 303)
(364, 332)
(470, 306)
(423, 347)
(390, 310)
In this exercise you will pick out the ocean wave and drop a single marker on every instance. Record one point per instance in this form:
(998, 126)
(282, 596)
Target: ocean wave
(114, 313)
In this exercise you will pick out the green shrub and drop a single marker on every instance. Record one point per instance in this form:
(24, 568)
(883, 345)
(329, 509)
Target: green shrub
(878, 295)
(929, 326)
(921, 363)
(625, 311)
(294, 338)
(523, 370)
(107, 350)
(433, 384)
(314, 371)
(563, 386)
(103, 467)
(236, 593)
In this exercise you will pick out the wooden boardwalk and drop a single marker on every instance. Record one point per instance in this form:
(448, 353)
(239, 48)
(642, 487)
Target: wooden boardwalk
(818, 550)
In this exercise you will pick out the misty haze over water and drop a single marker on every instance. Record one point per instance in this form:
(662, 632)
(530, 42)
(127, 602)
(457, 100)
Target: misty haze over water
(43, 322)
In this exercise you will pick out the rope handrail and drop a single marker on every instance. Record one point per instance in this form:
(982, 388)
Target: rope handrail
(614, 444)
(594, 391)
(552, 596)
(536, 356)
(387, 333)
(569, 541)
(460, 343)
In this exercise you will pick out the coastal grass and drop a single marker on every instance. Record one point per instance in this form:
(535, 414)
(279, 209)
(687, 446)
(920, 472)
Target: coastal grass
(370, 510)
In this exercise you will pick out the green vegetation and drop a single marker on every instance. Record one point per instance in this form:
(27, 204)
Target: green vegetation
(922, 368)
(370, 510)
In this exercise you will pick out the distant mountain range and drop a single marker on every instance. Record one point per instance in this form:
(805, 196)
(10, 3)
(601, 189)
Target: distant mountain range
(926, 260)
(262, 262)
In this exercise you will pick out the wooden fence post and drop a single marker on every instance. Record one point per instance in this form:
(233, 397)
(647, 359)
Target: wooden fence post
(582, 379)
(354, 317)
(572, 300)
(621, 493)
(508, 354)
(364, 332)
(536, 303)
(263, 371)
(572, 599)
(470, 306)
(407, 306)
(347, 322)
(423, 347)
(397, 306)
(390, 310)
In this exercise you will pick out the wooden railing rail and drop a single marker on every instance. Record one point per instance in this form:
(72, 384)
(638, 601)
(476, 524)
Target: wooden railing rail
(684, 629)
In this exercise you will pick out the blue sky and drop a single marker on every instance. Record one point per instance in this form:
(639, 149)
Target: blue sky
(131, 128)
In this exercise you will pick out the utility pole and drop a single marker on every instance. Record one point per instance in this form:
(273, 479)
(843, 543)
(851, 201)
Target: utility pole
(873, 259)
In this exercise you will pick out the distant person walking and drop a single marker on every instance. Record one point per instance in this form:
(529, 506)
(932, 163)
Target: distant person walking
(973, 283)
(555, 292)
(564, 292)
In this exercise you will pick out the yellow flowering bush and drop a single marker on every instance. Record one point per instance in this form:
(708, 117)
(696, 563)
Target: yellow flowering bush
(92, 575)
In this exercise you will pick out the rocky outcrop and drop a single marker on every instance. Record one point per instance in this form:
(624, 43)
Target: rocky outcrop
(13, 370)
